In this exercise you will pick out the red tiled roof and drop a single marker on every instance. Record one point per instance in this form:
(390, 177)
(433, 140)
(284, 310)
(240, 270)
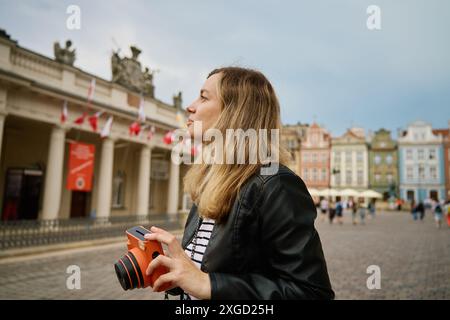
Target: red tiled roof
(441, 132)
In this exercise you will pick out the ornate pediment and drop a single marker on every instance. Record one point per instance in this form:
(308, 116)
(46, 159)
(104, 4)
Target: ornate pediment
(127, 71)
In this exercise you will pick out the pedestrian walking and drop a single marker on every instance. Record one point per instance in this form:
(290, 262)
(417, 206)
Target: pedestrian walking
(421, 210)
(362, 213)
(447, 211)
(354, 211)
(372, 209)
(331, 212)
(339, 211)
(323, 209)
(438, 214)
(414, 210)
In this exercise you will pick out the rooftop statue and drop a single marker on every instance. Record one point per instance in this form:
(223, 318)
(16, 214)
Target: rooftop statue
(127, 71)
(64, 55)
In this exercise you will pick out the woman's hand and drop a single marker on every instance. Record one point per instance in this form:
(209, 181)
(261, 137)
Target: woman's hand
(183, 272)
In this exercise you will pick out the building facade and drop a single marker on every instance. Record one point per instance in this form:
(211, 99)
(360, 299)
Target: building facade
(291, 139)
(383, 172)
(445, 134)
(315, 157)
(349, 161)
(421, 163)
(132, 174)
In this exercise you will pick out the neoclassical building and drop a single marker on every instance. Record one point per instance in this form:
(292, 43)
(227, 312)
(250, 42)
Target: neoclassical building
(315, 157)
(131, 173)
(349, 161)
(421, 163)
(383, 173)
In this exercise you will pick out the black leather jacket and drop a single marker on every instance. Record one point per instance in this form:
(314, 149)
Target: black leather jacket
(268, 247)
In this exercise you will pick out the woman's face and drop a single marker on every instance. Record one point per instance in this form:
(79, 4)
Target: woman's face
(206, 108)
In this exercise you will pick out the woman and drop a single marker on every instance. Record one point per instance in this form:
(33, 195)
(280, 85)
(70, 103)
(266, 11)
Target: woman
(438, 214)
(248, 235)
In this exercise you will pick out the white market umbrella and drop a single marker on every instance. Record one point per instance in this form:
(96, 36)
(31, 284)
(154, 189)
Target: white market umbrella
(349, 193)
(328, 192)
(371, 194)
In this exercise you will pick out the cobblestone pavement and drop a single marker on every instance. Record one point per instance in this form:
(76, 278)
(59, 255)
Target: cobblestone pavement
(413, 256)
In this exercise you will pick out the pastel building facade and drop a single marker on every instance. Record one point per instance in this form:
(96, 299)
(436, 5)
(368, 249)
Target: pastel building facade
(421, 163)
(349, 161)
(383, 168)
(315, 157)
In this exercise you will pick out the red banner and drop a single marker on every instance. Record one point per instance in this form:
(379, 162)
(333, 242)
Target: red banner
(81, 167)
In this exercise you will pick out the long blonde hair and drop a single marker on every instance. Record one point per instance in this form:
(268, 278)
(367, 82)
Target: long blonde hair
(248, 101)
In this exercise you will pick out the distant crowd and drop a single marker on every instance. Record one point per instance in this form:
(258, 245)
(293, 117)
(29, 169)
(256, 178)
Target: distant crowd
(334, 210)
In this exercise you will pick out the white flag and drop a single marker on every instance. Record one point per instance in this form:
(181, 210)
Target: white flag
(64, 112)
(141, 114)
(151, 132)
(91, 90)
(107, 128)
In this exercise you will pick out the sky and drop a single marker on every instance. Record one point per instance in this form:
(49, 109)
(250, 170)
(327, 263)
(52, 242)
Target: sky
(323, 61)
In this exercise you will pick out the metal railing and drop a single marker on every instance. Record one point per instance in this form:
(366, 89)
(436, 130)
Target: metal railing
(26, 233)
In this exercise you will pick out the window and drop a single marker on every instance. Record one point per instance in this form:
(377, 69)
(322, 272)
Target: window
(314, 175)
(377, 177)
(337, 178)
(305, 174)
(360, 177)
(409, 154)
(348, 156)
(314, 157)
(432, 154)
(420, 154)
(390, 178)
(305, 157)
(359, 156)
(348, 177)
(118, 189)
(433, 173)
(324, 174)
(337, 156)
(377, 159)
(421, 172)
(324, 157)
(409, 173)
(389, 159)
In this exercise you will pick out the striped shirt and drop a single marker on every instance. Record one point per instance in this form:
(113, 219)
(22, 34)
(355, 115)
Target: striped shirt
(201, 242)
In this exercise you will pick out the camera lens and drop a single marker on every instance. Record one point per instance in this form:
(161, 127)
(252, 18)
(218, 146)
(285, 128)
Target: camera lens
(128, 272)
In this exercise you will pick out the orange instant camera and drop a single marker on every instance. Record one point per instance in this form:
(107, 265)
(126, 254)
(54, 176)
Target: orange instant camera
(130, 269)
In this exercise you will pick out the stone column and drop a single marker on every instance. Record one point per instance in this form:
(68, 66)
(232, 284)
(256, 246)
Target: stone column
(3, 112)
(143, 192)
(2, 124)
(174, 179)
(104, 191)
(54, 174)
